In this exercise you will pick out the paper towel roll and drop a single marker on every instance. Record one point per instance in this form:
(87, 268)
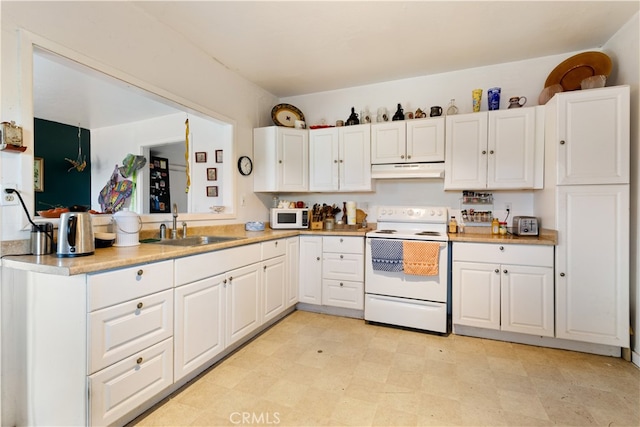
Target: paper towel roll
(351, 213)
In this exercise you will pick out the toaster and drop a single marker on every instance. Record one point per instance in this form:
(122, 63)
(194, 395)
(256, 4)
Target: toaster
(525, 226)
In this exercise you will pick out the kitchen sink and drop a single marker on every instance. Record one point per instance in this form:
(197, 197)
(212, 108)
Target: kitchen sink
(195, 240)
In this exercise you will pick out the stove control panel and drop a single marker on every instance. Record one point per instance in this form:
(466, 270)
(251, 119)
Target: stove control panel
(419, 214)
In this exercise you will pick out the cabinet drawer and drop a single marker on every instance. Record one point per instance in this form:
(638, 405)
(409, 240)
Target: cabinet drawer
(343, 267)
(345, 245)
(536, 255)
(273, 248)
(120, 331)
(123, 387)
(117, 286)
(343, 293)
(197, 267)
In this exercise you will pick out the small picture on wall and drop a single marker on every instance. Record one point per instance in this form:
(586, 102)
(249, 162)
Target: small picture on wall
(201, 156)
(218, 156)
(212, 191)
(38, 174)
(212, 174)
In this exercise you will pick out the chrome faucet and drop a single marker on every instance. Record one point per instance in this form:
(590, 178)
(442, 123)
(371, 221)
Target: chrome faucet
(174, 230)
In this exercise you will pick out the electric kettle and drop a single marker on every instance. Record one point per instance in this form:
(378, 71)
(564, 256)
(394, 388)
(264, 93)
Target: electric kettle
(75, 235)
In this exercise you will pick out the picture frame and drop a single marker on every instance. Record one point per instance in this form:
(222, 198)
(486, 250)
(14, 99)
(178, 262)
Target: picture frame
(218, 156)
(212, 191)
(38, 174)
(212, 174)
(201, 156)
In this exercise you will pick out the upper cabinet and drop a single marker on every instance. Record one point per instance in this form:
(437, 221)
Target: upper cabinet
(410, 141)
(281, 159)
(500, 149)
(590, 130)
(340, 158)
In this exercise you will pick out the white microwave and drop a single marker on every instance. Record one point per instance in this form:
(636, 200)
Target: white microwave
(289, 218)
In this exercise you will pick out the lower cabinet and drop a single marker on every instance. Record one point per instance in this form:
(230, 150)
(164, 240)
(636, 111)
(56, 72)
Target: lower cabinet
(332, 271)
(504, 287)
(243, 302)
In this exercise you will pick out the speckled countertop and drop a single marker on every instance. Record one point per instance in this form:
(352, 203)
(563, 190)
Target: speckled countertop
(117, 257)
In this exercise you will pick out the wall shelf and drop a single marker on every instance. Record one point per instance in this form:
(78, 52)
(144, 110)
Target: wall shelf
(12, 148)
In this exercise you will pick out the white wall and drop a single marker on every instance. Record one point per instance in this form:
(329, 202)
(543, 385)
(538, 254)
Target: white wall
(624, 51)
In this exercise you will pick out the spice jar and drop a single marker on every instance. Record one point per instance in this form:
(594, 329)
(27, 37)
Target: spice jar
(495, 226)
(503, 227)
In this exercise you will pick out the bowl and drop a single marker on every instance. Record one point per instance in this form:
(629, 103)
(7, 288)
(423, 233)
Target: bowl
(593, 82)
(53, 213)
(217, 209)
(104, 240)
(254, 226)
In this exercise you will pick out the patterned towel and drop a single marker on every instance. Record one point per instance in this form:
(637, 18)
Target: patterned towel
(421, 258)
(386, 255)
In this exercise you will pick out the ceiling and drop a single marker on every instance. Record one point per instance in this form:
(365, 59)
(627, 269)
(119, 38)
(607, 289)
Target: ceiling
(299, 47)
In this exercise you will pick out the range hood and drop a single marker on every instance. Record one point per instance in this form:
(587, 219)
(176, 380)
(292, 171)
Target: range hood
(407, 170)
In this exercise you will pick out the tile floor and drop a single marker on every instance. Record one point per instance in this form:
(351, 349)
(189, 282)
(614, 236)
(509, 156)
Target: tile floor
(318, 370)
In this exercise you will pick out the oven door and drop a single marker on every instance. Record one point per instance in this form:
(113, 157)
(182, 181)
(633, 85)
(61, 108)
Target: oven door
(399, 284)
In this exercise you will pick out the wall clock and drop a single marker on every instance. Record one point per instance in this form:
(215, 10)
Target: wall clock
(245, 165)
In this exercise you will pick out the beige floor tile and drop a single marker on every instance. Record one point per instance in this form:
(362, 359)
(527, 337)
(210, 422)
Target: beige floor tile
(312, 369)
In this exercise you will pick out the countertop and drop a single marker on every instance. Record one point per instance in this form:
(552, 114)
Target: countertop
(118, 257)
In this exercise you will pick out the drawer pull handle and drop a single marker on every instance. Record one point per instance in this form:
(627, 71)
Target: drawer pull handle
(501, 248)
(561, 274)
(139, 305)
(139, 360)
(497, 271)
(140, 272)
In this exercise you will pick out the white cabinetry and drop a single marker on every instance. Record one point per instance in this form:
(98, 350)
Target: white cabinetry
(343, 272)
(274, 278)
(504, 287)
(410, 141)
(293, 270)
(310, 270)
(586, 198)
(340, 158)
(281, 159)
(495, 150)
(243, 302)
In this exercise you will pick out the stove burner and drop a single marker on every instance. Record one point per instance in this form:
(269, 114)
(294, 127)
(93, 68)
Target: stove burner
(428, 233)
(385, 231)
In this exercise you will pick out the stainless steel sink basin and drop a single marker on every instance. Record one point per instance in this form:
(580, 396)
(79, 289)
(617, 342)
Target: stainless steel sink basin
(196, 240)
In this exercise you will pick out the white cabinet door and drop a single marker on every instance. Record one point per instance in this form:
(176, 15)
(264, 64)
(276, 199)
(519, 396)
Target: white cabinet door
(199, 324)
(592, 264)
(593, 136)
(476, 294)
(324, 157)
(511, 148)
(425, 140)
(293, 270)
(465, 166)
(527, 300)
(388, 142)
(281, 159)
(355, 158)
(243, 302)
(311, 269)
(273, 287)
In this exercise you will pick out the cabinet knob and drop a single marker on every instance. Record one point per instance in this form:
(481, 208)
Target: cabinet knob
(335, 161)
(279, 161)
(230, 279)
(341, 284)
(341, 240)
(562, 142)
(561, 274)
(140, 272)
(341, 160)
(341, 256)
(490, 151)
(264, 268)
(139, 360)
(505, 271)
(317, 258)
(408, 156)
(402, 156)
(501, 248)
(484, 151)
(224, 283)
(276, 243)
(497, 271)
(139, 305)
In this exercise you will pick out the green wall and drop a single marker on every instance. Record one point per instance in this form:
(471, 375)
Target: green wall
(53, 142)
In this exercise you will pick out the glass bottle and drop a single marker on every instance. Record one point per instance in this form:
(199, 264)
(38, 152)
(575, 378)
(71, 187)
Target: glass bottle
(452, 109)
(495, 226)
(503, 227)
(453, 225)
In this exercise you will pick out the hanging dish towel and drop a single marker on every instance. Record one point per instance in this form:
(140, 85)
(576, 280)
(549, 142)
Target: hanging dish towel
(386, 255)
(421, 258)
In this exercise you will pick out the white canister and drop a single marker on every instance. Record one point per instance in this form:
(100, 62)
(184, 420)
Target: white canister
(351, 213)
(127, 227)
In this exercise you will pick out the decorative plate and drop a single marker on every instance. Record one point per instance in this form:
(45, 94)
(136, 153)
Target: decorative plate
(286, 115)
(570, 72)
